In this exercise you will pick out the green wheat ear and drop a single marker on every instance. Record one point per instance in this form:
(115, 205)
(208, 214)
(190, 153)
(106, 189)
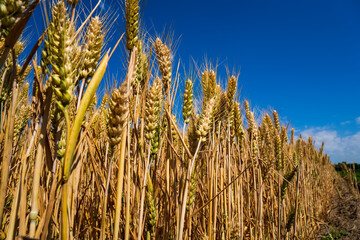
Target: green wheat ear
(141, 70)
(192, 191)
(10, 11)
(63, 56)
(153, 106)
(188, 101)
(61, 146)
(132, 23)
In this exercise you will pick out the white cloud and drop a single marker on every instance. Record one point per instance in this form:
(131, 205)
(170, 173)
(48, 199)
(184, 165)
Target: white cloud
(357, 120)
(346, 122)
(339, 148)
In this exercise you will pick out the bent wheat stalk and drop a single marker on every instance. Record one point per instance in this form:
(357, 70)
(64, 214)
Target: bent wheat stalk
(73, 138)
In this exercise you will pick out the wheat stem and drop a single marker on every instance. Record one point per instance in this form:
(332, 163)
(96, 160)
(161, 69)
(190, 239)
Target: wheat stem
(143, 188)
(104, 208)
(119, 186)
(185, 194)
(8, 143)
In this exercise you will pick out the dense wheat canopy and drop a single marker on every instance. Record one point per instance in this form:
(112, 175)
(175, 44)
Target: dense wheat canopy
(132, 165)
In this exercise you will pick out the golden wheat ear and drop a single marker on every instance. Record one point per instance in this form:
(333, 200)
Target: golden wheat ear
(230, 92)
(276, 121)
(72, 2)
(164, 61)
(205, 121)
(237, 126)
(118, 114)
(92, 48)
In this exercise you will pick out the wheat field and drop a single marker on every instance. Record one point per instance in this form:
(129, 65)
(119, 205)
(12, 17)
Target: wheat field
(131, 165)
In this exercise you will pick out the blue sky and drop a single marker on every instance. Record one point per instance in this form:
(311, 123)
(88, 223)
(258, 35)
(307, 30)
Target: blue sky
(301, 58)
